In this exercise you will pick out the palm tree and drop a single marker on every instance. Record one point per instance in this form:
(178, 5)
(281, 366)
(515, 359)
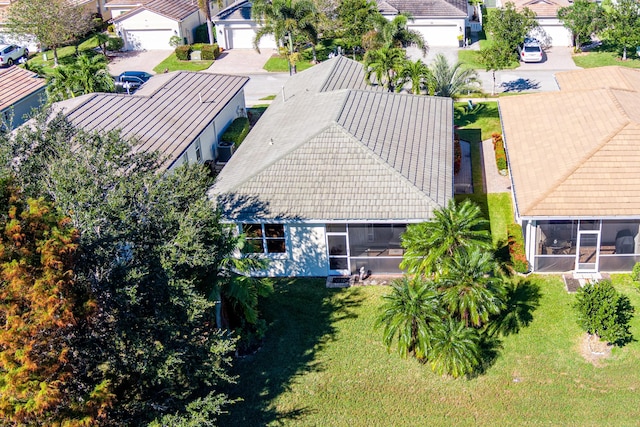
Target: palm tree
(86, 75)
(455, 349)
(428, 244)
(451, 81)
(384, 64)
(471, 290)
(410, 314)
(285, 20)
(395, 33)
(417, 73)
(206, 11)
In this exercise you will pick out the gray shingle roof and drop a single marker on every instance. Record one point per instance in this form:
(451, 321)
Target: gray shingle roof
(353, 153)
(166, 114)
(426, 8)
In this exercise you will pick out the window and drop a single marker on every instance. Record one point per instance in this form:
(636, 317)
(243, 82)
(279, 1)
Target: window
(264, 238)
(185, 158)
(198, 151)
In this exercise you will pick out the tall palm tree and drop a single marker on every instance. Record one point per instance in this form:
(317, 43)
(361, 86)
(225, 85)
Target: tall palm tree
(384, 64)
(410, 314)
(395, 33)
(471, 289)
(417, 73)
(455, 349)
(205, 7)
(455, 226)
(451, 80)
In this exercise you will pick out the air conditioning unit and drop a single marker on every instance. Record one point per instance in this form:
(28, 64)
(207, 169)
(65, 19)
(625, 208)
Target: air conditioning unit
(225, 151)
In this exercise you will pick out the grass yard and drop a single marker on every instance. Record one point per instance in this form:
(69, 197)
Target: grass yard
(323, 364)
(174, 64)
(471, 58)
(603, 58)
(500, 215)
(279, 64)
(66, 55)
(478, 124)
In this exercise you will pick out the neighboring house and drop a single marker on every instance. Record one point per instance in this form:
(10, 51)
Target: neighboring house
(552, 32)
(441, 22)
(573, 157)
(332, 173)
(181, 114)
(119, 7)
(152, 24)
(20, 92)
(236, 30)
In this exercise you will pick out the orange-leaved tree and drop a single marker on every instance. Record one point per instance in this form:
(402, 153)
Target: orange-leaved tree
(39, 310)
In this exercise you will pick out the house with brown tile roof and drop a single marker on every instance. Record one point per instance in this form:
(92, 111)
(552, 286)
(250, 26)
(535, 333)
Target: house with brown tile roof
(335, 169)
(20, 92)
(151, 24)
(573, 158)
(551, 32)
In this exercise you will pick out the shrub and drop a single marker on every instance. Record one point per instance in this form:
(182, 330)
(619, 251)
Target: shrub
(210, 51)
(115, 43)
(501, 155)
(182, 52)
(635, 273)
(237, 131)
(603, 311)
(111, 28)
(516, 248)
(457, 154)
(201, 34)
(502, 163)
(175, 41)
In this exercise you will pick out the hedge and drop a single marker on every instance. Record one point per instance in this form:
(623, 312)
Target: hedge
(237, 131)
(115, 43)
(202, 34)
(182, 52)
(516, 248)
(501, 155)
(207, 51)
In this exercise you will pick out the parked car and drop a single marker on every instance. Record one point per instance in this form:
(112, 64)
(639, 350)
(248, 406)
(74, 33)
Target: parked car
(530, 51)
(10, 53)
(130, 81)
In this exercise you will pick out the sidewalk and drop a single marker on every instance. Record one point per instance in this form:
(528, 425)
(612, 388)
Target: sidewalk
(493, 181)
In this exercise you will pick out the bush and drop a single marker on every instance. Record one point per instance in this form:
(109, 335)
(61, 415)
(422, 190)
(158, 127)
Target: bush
(502, 163)
(635, 273)
(111, 29)
(603, 311)
(501, 155)
(516, 248)
(201, 34)
(210, 51)
(237, 131)
(182, 52)
(115, 43)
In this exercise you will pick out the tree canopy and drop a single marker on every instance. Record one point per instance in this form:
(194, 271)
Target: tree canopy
(508, 26)
(583, 18)
(623, 26)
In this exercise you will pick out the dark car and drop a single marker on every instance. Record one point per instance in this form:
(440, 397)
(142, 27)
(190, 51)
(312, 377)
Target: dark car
(130, 81)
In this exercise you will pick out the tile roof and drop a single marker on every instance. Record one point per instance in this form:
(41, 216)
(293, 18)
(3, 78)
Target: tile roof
(166, 114)
(543, 8)
(579, 154)
(333, 152)
(17, 83)
(425, 8)
(239, 10)
(172, 9)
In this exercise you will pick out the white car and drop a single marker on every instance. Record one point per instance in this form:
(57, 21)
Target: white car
(10, 53)
(530, 51)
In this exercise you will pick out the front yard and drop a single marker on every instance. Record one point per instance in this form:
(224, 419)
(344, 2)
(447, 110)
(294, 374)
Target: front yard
(323, 364)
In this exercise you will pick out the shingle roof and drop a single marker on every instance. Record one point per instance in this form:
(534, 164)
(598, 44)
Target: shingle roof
(426, 8)
(172, 9)
(166, 114)
(579, 154)
(17, 83)
(543, 8)
(342, 154)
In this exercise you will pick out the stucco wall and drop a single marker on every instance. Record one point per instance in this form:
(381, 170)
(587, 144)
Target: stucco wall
(24, 107)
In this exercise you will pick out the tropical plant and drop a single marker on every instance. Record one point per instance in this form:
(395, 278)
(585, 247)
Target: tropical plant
(357, 17)
(409, 315)
(623, 26)
(455, 226)
(395, 34)
(384, 64)
(452, 80)
(472, 291)
(455, 349)
(605, 312)
(583, 18)
(86, 75)
(417, 73)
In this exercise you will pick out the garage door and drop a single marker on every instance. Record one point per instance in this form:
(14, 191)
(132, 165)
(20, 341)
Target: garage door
(242, 38)
(148, 39)
(439, 35)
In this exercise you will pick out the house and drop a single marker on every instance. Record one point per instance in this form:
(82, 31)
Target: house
(574, 170)
(181, 114)
(551, 31)
(236, 30)
(20, 92)
(119, 7)
(441, 22)
(152, 24)
(332, 173)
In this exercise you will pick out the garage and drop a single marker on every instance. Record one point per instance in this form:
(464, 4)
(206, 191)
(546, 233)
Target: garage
(147, 39)
(438, 35)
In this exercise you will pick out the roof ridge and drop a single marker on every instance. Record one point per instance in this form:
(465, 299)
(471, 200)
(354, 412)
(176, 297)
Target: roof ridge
(579, 165)
(330, 73)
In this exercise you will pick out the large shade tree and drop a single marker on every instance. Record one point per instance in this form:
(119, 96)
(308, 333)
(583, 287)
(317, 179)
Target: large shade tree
(623, 26)
(583, 18)
(509, 26)
(357, 18)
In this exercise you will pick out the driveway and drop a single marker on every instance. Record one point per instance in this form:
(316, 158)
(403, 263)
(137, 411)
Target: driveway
(136, 60)
(241, 62)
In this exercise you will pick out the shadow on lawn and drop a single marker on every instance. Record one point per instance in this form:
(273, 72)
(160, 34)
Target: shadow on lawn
(301, 315)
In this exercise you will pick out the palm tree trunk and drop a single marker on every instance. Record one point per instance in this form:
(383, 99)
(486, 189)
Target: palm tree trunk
(210, 31)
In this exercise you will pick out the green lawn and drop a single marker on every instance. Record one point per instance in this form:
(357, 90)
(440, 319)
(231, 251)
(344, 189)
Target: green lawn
(500, 215)
(65, 55)
(172, 63)
(478, 124)
(602, 59)
(323, 364)
(279, 64)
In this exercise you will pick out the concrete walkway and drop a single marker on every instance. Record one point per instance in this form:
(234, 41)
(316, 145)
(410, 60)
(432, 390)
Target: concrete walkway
(493, 181)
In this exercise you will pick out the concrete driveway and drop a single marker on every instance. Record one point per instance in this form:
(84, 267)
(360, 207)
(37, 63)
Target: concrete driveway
(136, 60)
(555, 59)
(241, 62)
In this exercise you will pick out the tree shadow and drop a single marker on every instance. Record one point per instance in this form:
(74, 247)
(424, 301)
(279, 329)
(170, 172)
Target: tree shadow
(463, 116)
(301, 314)
(521, 300)
(520, 85)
